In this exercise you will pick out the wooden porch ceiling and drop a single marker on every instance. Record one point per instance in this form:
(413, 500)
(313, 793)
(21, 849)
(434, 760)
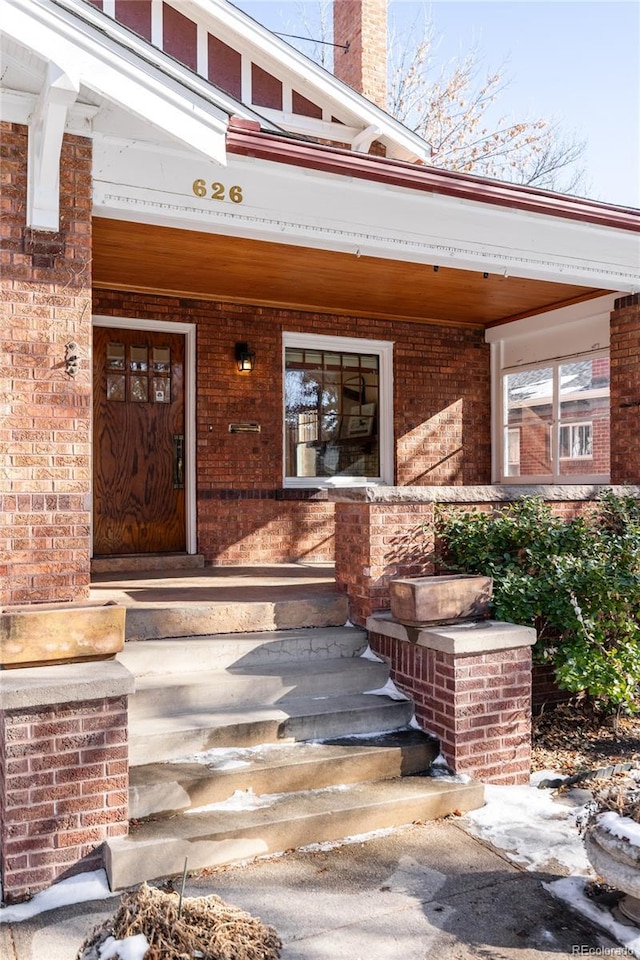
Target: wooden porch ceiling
(147, 258)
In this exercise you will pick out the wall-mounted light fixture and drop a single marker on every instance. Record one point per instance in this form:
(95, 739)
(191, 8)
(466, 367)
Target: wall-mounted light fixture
(244, 357)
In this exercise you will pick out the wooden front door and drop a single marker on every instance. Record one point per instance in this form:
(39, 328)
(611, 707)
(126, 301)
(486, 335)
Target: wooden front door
(138, 442)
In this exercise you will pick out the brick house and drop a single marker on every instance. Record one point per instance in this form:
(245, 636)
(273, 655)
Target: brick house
(234, 290)
(217, 193)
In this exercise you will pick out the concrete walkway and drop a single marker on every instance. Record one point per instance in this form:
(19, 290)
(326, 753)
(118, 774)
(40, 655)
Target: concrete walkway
(425, 892)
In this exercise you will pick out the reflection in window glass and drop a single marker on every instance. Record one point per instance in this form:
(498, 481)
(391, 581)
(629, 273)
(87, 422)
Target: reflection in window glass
(331, 414)
(560, 412)
(583, 434)
(529, 410)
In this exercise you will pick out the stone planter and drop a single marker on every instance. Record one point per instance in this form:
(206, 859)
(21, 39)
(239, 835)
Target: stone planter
(56, 633)
(445, 599)
(617, 861)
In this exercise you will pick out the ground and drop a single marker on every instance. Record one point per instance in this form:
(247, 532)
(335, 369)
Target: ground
(574, 737)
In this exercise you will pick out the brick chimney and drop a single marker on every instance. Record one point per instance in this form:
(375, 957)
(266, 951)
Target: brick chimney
(363, 25)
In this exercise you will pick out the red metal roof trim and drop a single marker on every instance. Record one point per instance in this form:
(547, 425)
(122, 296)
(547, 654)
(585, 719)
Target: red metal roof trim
(265, 146)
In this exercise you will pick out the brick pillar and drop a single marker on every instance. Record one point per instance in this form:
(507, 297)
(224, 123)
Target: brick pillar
(45, 292)
(625, 390)
(471, 686)
(363, 25)
(376, 542)
(63, 771)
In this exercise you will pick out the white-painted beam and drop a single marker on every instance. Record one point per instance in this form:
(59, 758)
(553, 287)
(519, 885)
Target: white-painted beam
(46, 129)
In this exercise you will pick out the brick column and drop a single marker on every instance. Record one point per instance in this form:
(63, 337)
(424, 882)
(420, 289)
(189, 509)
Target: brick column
(625, 391)
(63, 771)
(45, 296)
(376, 542)
(471, 685)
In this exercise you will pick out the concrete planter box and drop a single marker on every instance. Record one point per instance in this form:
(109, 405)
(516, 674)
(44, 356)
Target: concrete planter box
(446, 599)
(54, 633)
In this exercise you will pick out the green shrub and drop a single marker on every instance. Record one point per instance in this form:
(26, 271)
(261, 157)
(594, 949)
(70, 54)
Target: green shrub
(577, 581)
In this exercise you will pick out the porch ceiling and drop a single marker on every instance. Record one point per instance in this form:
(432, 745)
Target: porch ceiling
(148, 258)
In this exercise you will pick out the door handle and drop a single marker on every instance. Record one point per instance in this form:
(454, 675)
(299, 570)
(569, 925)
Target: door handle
(178, 461)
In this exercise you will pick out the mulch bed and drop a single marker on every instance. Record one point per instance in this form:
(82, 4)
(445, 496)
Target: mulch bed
(573, 737)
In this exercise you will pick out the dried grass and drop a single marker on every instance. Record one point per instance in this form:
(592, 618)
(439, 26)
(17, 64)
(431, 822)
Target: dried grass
(208, 928)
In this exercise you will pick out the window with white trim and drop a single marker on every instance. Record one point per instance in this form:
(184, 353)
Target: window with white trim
(338, 423)
(560, 413)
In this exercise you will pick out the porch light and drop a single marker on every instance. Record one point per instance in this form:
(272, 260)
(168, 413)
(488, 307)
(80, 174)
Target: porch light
(244, 357)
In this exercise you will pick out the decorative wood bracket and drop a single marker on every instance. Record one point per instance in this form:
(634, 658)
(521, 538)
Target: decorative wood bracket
(362, 142)
(46, 129)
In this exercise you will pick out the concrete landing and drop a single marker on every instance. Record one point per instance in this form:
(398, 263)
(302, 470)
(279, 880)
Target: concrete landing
(181, 603)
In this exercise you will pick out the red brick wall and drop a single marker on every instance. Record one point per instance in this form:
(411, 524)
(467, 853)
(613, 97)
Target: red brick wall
(45, 289)
(625, 390)
(363, 25)
(478, 706)
(64, 790)
(244, 515)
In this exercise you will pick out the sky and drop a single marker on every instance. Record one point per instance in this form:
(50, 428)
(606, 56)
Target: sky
(572, 61)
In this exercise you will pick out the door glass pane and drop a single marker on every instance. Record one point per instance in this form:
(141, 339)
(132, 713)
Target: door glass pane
(583, 431)
(139, 358)
(115, 356)
(331, 414)
(528, 398)
(139, 389)
(161, 390)
(161, 360)
(116, 386)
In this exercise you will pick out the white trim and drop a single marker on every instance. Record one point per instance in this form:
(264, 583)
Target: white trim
(384, 350)
(188, 330)
(107, 61)
(46, 129)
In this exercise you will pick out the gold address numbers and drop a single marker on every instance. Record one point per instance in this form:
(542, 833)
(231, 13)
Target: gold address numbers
(217, 191)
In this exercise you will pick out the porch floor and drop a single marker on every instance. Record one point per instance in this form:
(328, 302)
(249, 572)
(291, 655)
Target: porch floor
(163, 603)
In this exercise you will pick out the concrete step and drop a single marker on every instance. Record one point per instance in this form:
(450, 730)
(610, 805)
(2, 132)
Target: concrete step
(226, 650)
(147, 562)
(154, 739)
(274, 823)
(193, 619)
(261, 684)
(166, 788)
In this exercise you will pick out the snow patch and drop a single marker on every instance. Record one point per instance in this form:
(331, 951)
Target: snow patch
(368, 654)
(623, 827)
(572, 891)
(131, 948)
(389, 690)
(79, 889)
(532, 827)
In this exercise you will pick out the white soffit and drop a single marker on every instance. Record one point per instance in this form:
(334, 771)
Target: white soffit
(117, 74)
(307, 207)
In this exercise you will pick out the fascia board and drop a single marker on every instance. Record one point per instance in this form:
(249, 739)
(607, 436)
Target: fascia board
(271, 49)
(116, 74)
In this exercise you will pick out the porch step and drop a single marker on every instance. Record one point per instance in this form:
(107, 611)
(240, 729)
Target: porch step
(160, 738)
(234, 720)
(166, 788)
(142, 562)
(192, 619)
(274, 823)
(225, 651)
(267, 684)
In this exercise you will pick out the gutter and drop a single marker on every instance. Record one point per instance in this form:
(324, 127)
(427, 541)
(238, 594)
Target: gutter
(244, 138)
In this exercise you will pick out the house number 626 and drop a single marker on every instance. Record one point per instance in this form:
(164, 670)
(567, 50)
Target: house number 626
(218, 191)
